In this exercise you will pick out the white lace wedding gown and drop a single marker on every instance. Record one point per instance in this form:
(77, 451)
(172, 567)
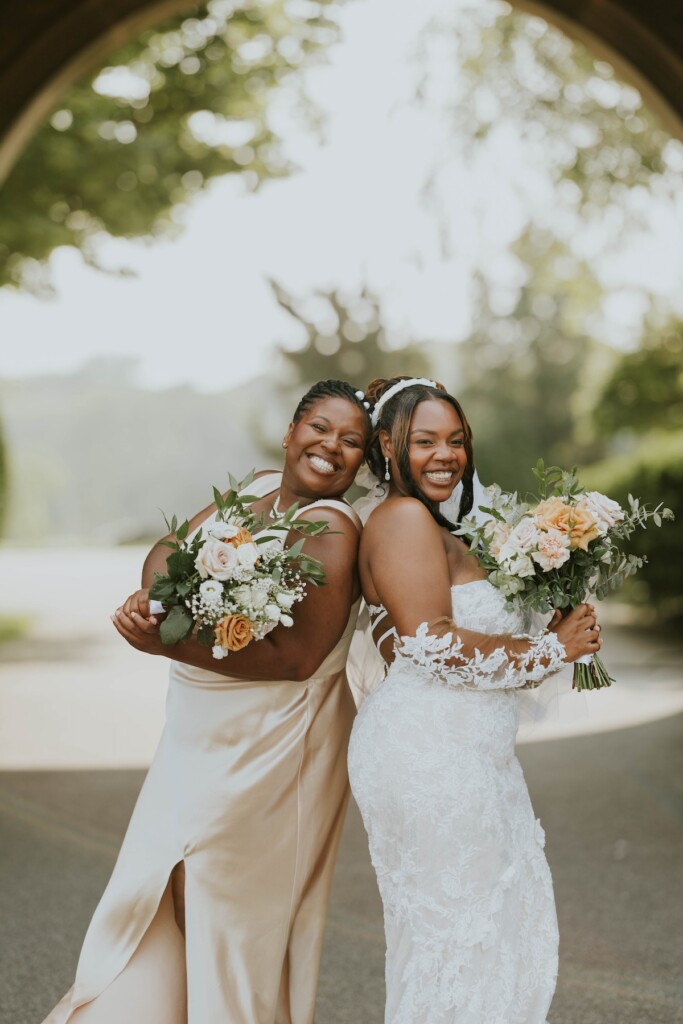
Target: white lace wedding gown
(469, 913)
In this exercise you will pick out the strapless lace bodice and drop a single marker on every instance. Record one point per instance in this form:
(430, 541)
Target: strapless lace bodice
(480, 606)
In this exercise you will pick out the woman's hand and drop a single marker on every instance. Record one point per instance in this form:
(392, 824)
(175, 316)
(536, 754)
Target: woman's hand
(137, 627)
(138, 603)
(579, 632)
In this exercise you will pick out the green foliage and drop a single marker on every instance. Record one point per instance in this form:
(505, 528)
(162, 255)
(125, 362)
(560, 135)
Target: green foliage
(179, 586)
(192, 104)
(13, 627)
(345, 339)
(521, 370)
(576, 119)
(653, 470)
(645, 392)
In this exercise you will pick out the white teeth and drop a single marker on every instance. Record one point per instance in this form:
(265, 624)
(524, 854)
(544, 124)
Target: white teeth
(439, 478)
(322, 465)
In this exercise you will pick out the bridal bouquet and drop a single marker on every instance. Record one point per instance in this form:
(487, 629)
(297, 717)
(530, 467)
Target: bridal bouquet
(558, 548)
(234, 585)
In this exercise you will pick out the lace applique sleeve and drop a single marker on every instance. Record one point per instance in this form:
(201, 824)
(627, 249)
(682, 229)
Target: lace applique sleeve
(462, 657)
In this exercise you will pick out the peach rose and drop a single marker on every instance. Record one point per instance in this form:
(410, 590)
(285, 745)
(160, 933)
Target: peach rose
(578, 523)
(234, 632)
(241, 537)
(553, 514)
(584, 528)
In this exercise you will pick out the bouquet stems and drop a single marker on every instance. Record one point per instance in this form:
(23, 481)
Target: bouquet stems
(591, 675)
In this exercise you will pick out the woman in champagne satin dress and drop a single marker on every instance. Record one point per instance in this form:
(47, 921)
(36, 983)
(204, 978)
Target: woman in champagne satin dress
(248, 789)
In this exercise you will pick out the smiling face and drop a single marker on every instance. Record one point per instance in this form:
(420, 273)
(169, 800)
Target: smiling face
(325, 448)
(435, 449)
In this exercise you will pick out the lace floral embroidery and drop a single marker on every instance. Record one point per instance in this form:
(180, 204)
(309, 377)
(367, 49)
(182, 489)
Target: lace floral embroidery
(495, 671)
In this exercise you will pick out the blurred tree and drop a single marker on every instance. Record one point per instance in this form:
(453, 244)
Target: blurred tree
(573, 118)
(522, 366)
(645, 391)
(3, 480)
(345, 338)
(651, 470)
(129, 146)
(641, 410)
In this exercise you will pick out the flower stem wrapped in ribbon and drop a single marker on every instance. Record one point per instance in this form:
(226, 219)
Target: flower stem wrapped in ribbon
(236, 582)
(558, 548)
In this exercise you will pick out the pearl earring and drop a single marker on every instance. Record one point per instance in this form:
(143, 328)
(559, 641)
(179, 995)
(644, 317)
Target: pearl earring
(387, 474)
(284, 444)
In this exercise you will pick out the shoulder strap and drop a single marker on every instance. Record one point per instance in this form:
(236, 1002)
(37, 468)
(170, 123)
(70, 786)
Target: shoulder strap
(265, 484)
(341, 506)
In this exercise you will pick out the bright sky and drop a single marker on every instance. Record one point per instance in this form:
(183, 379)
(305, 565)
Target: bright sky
(353, 214)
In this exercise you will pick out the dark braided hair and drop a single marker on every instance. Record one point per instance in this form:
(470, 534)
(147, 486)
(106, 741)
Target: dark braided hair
(332, 389)
(395, 417)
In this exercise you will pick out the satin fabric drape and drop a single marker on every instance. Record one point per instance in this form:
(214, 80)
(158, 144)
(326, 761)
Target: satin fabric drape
(249, 788)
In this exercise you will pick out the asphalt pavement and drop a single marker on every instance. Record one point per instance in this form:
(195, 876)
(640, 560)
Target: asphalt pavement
(612, 808)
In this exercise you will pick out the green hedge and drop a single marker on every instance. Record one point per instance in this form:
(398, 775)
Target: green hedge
(653, 472)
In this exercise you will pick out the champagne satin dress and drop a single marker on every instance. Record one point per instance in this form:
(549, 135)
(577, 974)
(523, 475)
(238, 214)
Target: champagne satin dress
(249, 789)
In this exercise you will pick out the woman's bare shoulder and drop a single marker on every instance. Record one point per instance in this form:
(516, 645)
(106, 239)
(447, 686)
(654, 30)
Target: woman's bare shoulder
(403, 512)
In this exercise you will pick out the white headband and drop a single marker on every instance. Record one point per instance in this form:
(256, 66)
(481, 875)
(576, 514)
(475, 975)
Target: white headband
(394, 390)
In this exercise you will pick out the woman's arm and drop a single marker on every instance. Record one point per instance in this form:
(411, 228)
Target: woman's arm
(285, 653)
(403, 552)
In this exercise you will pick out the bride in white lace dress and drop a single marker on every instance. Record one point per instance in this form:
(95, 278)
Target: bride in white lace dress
(469, 913)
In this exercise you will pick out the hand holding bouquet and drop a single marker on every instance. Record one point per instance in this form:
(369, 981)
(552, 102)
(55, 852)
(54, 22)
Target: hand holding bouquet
(237, 582)
(558, 548)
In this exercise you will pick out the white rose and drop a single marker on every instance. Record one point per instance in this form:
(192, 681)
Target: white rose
(286, 599)
(243, 595)
(272, 612)
(286, 620)
(521, 566)
(259, 598)
(216, 559)
(247, 555)
(603, 509)
(211, 591)
(223, 531)
(525, 535)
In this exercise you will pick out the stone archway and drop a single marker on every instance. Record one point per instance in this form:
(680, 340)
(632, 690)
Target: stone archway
(46, 46)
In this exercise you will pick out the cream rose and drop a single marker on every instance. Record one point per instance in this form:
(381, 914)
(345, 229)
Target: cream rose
(216, 559)
(498, 533)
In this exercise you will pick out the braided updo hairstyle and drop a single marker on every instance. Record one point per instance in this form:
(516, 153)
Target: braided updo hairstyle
(395, 417)
(332, 389)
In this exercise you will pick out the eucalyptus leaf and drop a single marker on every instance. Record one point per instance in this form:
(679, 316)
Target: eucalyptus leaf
(176, 626)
